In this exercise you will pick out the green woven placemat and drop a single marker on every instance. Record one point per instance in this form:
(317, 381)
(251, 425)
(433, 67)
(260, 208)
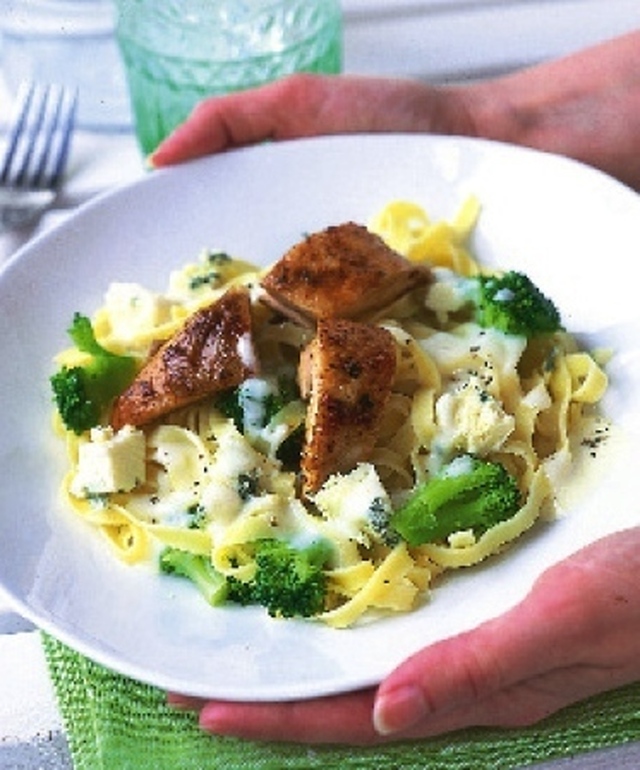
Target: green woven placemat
(114, 723)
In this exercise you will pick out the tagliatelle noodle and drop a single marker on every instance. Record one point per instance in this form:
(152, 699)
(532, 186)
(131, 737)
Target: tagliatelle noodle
(408, 229)
(588, 381)
(388, 588)
(127, 536)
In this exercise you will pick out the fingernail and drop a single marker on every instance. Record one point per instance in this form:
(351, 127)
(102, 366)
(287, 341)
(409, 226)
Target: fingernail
(399, 710)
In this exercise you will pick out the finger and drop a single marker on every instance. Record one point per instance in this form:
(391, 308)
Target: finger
(215, 125)
(541, 634)
(240, 119)
(526, 703)
(185, 702)
(346, 719)
(340, 719)
(306, 105)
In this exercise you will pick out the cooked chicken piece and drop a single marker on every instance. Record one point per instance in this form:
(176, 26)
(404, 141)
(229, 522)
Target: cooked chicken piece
(213, 351)
(344, 271)
(346, 372)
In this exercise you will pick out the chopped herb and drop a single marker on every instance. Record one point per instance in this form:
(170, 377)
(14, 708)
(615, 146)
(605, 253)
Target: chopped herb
(247, 485)
(197, 516)
(204, 279)
(218, 257)
(97, 499)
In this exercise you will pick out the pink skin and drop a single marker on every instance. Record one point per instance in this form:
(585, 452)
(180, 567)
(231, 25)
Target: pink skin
(577, 632)
(303, 106)
(551, 650)
(585, 106)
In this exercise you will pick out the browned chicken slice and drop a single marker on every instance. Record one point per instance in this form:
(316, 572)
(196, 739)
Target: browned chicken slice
(344, 271)
(213, 351)
(346, 372)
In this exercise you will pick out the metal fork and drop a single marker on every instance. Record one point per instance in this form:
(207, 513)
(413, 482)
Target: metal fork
(36, 153)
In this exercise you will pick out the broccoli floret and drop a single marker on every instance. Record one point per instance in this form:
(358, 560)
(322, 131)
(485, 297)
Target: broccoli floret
(468, 493)
(82, 393)
(513, 304)
(197, 568)
(289, 582)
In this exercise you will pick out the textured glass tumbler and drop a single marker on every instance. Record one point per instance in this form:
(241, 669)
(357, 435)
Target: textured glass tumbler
(177, 52)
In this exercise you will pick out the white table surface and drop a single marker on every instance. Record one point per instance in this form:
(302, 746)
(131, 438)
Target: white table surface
(31, 729)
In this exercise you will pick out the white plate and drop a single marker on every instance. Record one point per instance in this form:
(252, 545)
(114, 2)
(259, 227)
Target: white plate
(575, 231)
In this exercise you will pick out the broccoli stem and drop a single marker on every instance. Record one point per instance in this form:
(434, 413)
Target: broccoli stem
(199, 570)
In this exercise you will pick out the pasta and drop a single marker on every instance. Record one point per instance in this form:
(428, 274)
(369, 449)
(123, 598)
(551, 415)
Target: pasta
(201, 484)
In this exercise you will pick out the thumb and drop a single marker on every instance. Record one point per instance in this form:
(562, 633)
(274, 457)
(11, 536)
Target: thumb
(467, 668)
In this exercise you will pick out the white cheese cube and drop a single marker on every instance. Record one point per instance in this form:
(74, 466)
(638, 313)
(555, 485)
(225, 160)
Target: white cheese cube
(110, 462)
(471, 420)
(349, 502)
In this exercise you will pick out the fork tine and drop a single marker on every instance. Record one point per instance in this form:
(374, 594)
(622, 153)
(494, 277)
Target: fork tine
(50, 151)
(60, 139)
(23, 106)
(40, 137)
(33, 137)
(36, 154)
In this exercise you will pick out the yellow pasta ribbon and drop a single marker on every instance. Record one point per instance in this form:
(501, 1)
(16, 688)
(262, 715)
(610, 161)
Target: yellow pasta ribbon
(347, 581)
(401, 224)
(414, 364)
(388, 588)
(407, 228)
(588, 380)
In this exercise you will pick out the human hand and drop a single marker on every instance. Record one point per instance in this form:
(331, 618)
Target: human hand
(584, 106)
(575, 634)
(311, 105)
